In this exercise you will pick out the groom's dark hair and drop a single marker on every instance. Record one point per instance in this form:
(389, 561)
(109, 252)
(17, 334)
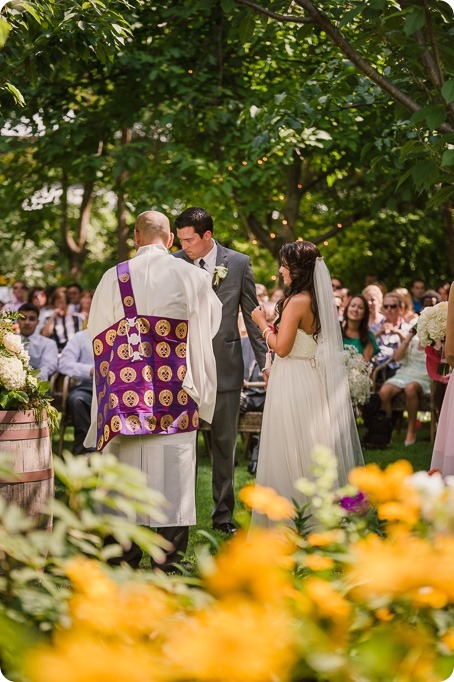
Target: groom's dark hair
(197, 218)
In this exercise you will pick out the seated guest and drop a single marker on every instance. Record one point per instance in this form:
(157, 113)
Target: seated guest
(73, 294)
(417, 289)
(19, 291)
(43, 352)
(408, 312)
(77, 361)
(261, 292)
(38, 296)
(85, 300)
(340, 307)
(59, 324)
(374, 297)
(411, 378)
(430, 298)
(252, 398)
(392, 332)
(355, 330)
(443, 291)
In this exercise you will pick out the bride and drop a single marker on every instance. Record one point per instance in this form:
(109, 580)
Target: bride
(307, 401)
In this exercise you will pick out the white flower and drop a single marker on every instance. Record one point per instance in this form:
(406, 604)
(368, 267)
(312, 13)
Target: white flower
(358, 375)
(12, 373)
(12, 342)
(220, 272)
(431, 325)
(32, 381)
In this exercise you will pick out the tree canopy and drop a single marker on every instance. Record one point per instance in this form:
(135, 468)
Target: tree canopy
(254, 113)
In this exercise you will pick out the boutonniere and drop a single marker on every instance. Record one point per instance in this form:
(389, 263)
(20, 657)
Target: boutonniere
(220, 272)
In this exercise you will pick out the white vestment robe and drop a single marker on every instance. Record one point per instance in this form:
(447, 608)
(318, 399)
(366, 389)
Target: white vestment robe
(166, 287)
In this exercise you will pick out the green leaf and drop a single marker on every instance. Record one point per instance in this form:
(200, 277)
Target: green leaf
(448, 158)
(442, 196)
(246, 29)
(407, 148)
(414, 21)
(227, 5)
(15, 93)
(403, 178)
(28, 7)
(424, 173)
(434, 114)
(448, 91)
(348, 16)
(5, 28)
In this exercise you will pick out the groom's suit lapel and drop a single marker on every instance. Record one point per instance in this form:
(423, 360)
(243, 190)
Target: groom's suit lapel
(221, 259)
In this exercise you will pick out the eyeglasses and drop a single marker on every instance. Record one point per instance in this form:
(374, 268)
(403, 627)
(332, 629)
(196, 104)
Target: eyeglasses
(336, 287)
(18, 286)
(390, 305)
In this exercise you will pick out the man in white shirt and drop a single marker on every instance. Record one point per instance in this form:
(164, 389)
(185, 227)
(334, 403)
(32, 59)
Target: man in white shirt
(43, 352)
(77, 361)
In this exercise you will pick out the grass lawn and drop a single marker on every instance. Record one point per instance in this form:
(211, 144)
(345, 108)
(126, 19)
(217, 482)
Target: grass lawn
(419, 455)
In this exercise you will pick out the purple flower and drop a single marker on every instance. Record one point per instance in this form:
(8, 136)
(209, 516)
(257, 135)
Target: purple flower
(359, 504)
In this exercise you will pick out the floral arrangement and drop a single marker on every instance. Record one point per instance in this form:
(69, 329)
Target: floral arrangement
(20, 386)
(357, 597)
(431, 329)
(220, 272)
(358, 375)
(432, 325)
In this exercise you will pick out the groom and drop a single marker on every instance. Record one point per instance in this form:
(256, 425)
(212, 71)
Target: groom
(234, 284)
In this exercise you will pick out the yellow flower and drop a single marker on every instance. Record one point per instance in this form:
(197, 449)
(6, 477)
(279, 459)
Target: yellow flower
(396, 500)
(384, 614)
(317, 563)
(236, 640)
(76, 657)
(128, 610)
(266, 501)
(404, 512)
(257, 564)
(327, 601)
(402, 567)
(88, 578)
(448, 640)
(329, 537)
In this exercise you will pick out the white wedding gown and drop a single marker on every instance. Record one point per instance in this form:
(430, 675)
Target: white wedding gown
(296, 418)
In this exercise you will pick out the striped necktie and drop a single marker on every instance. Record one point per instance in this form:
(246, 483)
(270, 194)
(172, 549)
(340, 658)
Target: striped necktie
(202, 264)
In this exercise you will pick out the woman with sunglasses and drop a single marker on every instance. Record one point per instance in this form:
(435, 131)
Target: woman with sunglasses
(411, 378)
(392, 332)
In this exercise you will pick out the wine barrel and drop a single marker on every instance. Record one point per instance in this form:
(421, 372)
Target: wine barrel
(30, 446)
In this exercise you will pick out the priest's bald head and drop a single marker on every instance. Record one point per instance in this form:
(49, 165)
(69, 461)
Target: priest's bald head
(152, 227)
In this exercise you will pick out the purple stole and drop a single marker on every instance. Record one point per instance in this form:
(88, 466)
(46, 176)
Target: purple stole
(140, 365)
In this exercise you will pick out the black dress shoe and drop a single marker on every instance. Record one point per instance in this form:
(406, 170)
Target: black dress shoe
(227, 528)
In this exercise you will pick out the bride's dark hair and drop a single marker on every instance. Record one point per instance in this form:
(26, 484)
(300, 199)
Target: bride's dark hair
(299, 257)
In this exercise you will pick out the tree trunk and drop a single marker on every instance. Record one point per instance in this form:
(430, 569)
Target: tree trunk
(74, 247)
(122, 227)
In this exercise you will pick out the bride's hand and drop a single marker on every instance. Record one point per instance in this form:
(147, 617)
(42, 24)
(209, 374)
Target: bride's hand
(258, 315)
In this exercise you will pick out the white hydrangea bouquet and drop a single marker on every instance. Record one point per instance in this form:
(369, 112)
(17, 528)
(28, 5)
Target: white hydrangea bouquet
(358, 375)
(20, 385)
(431, 329)
(432, 325)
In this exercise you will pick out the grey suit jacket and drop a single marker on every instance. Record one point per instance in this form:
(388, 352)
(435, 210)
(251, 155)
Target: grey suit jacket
(236, 291)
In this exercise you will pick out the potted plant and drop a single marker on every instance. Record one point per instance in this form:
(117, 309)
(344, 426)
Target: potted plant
(26, 421)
